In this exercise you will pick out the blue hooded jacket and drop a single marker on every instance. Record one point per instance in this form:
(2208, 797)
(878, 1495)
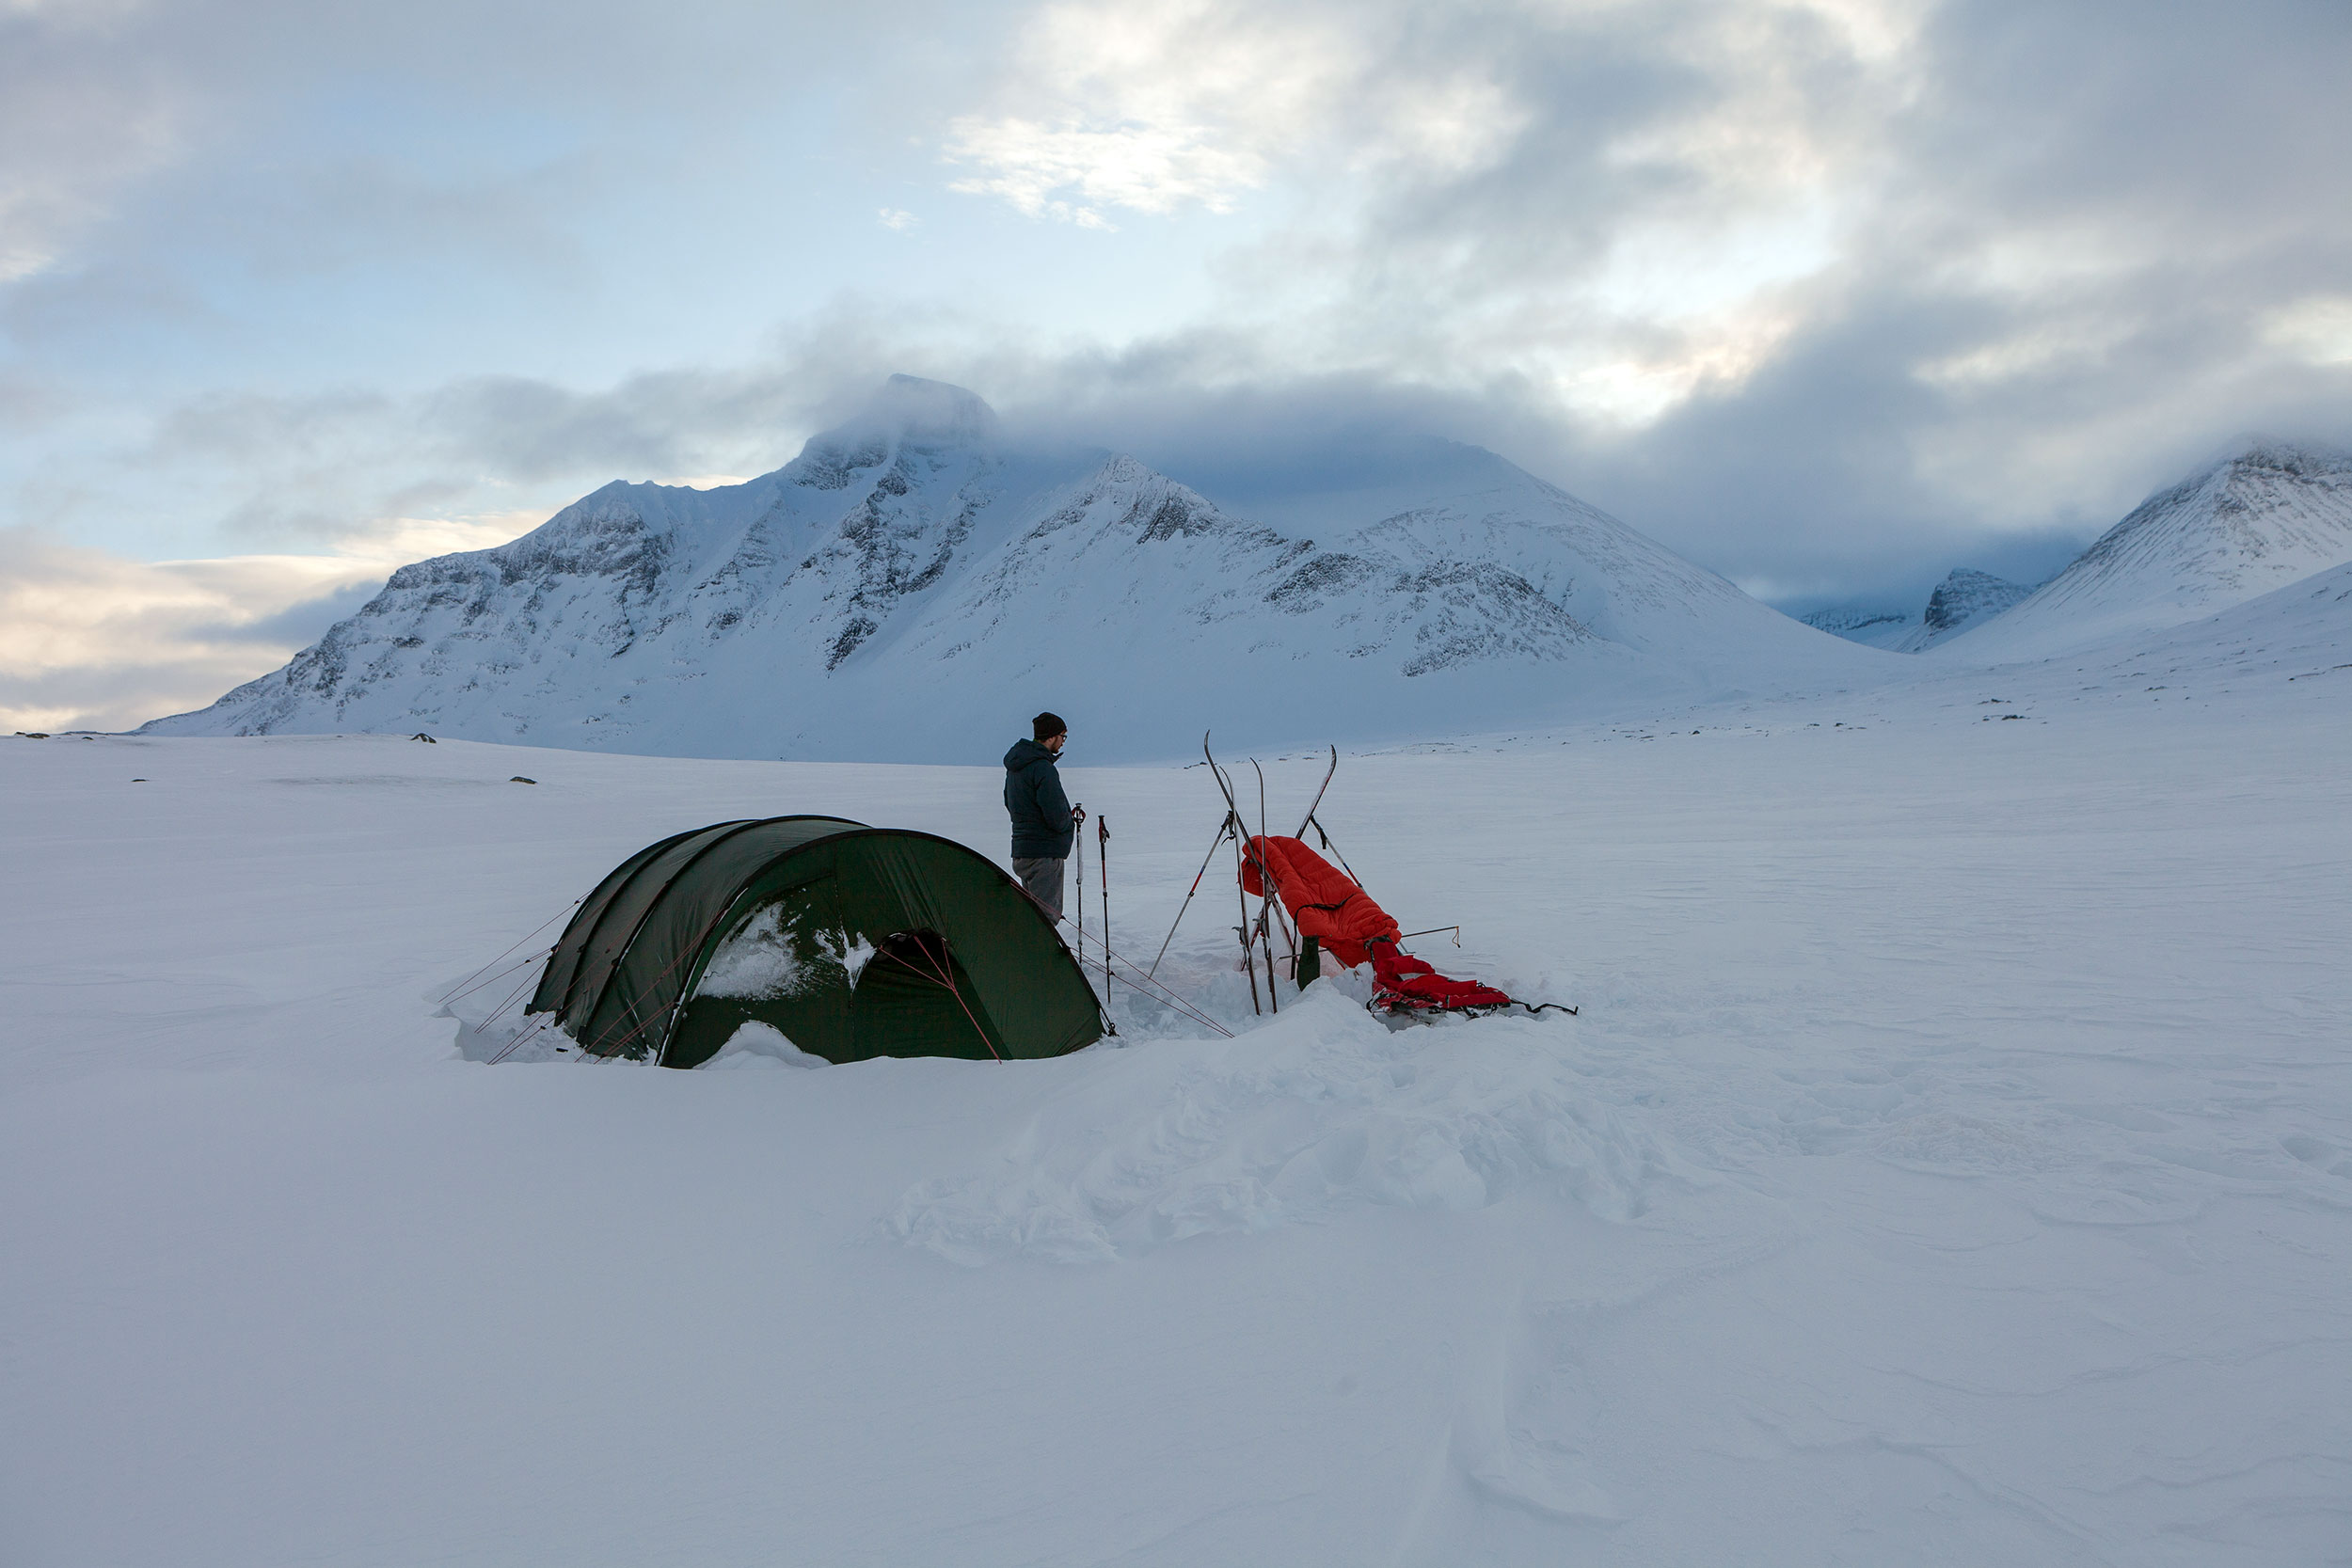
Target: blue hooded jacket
(1042, 829)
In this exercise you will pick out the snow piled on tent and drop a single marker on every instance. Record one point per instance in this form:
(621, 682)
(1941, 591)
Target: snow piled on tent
(761, 961)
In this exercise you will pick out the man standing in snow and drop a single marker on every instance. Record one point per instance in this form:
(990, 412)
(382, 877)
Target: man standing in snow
(1042, 822)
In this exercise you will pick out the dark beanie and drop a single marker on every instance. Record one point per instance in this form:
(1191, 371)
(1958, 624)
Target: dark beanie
(1048, 725)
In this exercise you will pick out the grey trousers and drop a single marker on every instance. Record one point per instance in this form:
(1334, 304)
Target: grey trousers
(1043, 879)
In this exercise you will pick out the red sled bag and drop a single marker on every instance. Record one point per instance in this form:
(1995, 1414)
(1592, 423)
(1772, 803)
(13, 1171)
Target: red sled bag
(1401, 981)
(1335, 915)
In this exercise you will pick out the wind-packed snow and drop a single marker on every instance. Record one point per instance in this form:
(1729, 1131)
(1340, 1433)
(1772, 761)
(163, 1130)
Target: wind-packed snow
(1952, 1162)
(2259, 520)
(912, 582)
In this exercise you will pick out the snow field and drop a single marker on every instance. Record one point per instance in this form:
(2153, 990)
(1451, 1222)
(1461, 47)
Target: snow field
(1322, 1110)
(1952, 1164)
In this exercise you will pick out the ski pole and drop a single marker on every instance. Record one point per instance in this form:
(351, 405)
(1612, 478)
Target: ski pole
(1102, 862)
(1223, 828)
(1273, 902)
(1241, 893)
(1325, 837)
(1318, 799)
(1249, 950)
(1265, 895)
(1240, 898)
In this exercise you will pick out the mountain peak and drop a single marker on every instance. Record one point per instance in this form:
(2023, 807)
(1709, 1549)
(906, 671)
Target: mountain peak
(909, 411)
(909, 417)
(2303, 459)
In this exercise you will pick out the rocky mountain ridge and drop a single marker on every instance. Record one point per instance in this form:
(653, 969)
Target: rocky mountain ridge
(911, 585)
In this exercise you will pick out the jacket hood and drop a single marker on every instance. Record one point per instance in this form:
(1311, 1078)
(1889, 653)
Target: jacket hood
(1024, 752)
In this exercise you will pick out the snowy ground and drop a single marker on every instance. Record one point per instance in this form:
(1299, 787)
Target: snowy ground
(1952, 1165)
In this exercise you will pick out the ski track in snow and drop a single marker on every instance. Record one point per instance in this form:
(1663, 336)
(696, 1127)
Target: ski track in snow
(1952, 1164)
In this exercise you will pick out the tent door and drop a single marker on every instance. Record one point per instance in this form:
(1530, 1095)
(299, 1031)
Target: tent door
(914, 998)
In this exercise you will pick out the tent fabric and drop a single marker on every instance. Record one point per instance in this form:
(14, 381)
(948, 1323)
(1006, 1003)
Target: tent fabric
(556, 980)
(605, 925)
(853, 942)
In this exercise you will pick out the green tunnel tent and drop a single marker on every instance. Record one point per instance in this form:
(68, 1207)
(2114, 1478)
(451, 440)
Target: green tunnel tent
(853, 942)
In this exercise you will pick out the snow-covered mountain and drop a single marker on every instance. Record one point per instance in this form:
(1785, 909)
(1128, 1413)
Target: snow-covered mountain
(912, 587)
(2267, 517)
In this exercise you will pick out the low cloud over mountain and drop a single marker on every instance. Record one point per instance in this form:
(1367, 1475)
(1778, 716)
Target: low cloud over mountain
(914, 584)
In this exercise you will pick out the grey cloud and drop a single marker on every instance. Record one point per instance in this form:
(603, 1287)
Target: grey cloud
(297, 626)
(269, 138)
(115, 697)
(319, 466)
(1801, 481)
(2131, 188)
(2099, 205)
(91, 640)
(28, 403)
(642, 54)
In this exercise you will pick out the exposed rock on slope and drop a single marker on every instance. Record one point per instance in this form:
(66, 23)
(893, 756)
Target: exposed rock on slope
(912, 588)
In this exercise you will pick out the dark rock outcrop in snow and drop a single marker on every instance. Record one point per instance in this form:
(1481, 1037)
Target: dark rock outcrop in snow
(1967, 596)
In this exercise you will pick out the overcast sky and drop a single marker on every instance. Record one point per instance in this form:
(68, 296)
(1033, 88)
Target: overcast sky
(1830, 296)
